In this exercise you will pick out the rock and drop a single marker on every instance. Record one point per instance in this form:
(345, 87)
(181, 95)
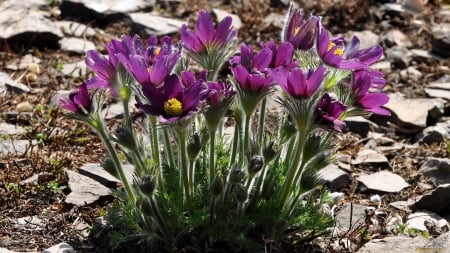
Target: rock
(368, 156)
(397, 244)
(60, 248)
(382, 181)
(427, 221)
(435, 134)
(75, 29)
(75, 69)
(435, 201)
(23, 62)
(6, 83)
(24, 106)
(11, 129)
(395, 37)
(96, 172)
(436, 169)
(350, 216)
(359, 125)
(397, 56)
(84, 190)
(439, 90)
(13, 146)
(440, 40)
(54, 101)
(105, 6)
(440, 244)
(420, 55)
(221, 14)
(411, 72)
(153, 24)
(401, 205)
(382, 65)
(23, 23)
(333, 177)
(366, 38)
(76, 45)
(30, 223)
(274, 19)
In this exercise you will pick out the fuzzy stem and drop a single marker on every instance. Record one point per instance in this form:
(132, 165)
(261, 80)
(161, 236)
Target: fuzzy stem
(184, 178)
(212, 153)
(168, 147)
(154, 139)
(262, 116)
(246, 133)
(160, 220)
(234, 146)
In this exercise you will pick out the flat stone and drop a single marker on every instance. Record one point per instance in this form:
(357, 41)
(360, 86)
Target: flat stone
(109, 6)
(359, 125)
(401, 205)
(23, 62)
(435, 134)
(397, 244)
(442, 85)
(75, 29)
(366, 38)
(382, 65)
(368, 156)
(96, 172)
(438, 93)
(76, 45)
(60, 248)
(75, 69)
(396, 37)
(84, 190)
(11, 129)
(18, 147)
(350, 212)
(435, 201)
(440, 40)
(440, 244)
(54, 101)
(235, 19)
(411, 72)
(397, 56)
(153, 24)
(436, 169)
(333, 177)
(274, 19)
(30, 223)
(418, 220)
(8, 84)
(382, 181)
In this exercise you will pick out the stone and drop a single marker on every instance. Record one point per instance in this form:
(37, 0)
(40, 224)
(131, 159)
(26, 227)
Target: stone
(411, 72)
(8, 84)
(401, 205)
(76, 45)
(274, 19)
(397, 244)
(106, 6)
(435, 201)
(382, 181)
(96, 172)
(440, 39)
(368, 156)
(440, 244)
(152, 24)
(54, 101)
(235, 19)
(359, 125)
(350, 216)
(333, 177)
(397, 56)
(395, 37)
(18, 147)
(23, 62)
(75, 69)
(438, 93)
(11, 129)
(75, 29)
(382, 65)
(30, 223)
(437, 170)
(434, 134)
(84, 190)
(366, 38)
(60, 248)
(427, 221)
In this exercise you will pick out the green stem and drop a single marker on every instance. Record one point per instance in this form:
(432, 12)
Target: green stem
(262, 116)
(127, 115)
(168, 146)
(246, 133)
(234, 147)
(154, 139)
(160, 221)
(184, 178)
(212, 153)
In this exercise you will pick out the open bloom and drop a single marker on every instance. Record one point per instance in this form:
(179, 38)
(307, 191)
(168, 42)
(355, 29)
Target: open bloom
(79, 101)
(207, 36)
(173, 101)
(328, 112)
(370, 102)
(297, 83)
(255, 82)
(301, 32)
(335, 53)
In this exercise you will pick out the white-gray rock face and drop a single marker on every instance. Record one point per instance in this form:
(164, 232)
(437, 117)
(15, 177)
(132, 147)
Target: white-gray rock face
(8, 84)
(440, 41)
(96, 172)
(84, 190)
(75, 29)
(439, 90)
(435, 201)
(368, 156)
(10, 129)
(397, 244)
(333, 177)
(427, 221)
(382, 181)
(354, 213)
(74, 69)
(18, 147)
(366, 38)
(435, 134)
(221, 14)
(396, 38)
(437, 170)
(153, 24)
(112, 6)
(60, 248)
(76, 45)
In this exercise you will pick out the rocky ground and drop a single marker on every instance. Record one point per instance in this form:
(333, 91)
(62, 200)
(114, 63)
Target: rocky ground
(391, 180)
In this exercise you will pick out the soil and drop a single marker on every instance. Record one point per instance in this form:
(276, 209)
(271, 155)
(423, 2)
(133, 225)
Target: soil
(58, 143)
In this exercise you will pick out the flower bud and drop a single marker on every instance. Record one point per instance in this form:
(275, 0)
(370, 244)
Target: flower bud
(145, 207)
(236, 175)
(108, 165)
(217, 186)
(194, 147)
(125, 138)
(148, 185)
(255, 164)
(241, 193)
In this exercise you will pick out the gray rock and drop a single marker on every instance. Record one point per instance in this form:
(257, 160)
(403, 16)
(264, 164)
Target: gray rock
(435, 134)
(411, 72)
(427, 221)
(76, 45)
(60, 248)
(397, 244)
(436, 169)
(75, 69)
(401, 205)
(438, 93)
(221, 14)
(54, 101)
(382, 65)
(75, 29)
(359, 125)
(440, 40)
(397, 56)
(442, 85)
(96, 172)
(8, 84)
(11, 129)
(395, 37)
(23, 62)
(18, 147)
(333, 177)
(30, 223)
(153, 24)
(382, 181)
(435, 201)
(366, 38)
(23, 23)
(84, 190)
(107, 6)
(368, 156)
(440, 244)
(274, 19)
(350, 217)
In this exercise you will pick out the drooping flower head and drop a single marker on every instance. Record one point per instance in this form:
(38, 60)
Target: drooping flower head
(335, 53)
(298, 83)
(174, 101)
(282, 55)
(368, 101)
(79, 101)
(328, 113)
(300, 31)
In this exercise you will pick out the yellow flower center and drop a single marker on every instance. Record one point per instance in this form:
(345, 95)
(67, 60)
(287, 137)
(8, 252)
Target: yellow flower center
(149, 69)
(296, 30)
(157, 51)
(337, 51)
(173, 107)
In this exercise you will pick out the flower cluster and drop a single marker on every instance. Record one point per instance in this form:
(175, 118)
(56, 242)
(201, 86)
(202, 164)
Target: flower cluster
(180, 186)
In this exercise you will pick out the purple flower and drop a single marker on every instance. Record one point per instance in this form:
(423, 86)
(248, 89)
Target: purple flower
(253, 62)
(79, 101)
(255, 82)
(174, 100)
(282, 55)
(299, 31)
(207, 36)
(370, 102)
(333, 52)
(328, 111)
(297, 83)
(219, 92)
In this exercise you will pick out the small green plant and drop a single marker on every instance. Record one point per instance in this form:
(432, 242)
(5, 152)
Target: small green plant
(57, 64)
(54, 187)
(5, 137)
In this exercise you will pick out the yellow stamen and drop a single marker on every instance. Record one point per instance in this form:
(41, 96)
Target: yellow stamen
(157, 51)
(173, 107)
(337, 51)
(296, 30)
(149, 69)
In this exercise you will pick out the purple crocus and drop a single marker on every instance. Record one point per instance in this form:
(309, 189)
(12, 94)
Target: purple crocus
(301, 32)
(334, 53)
(207, 36)
(255, 82)
(370, 102)
(328, 111)
(173, 101)
(282, 55)
(258, 62)
(79, 101)
(218, 92)
(297, 83)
